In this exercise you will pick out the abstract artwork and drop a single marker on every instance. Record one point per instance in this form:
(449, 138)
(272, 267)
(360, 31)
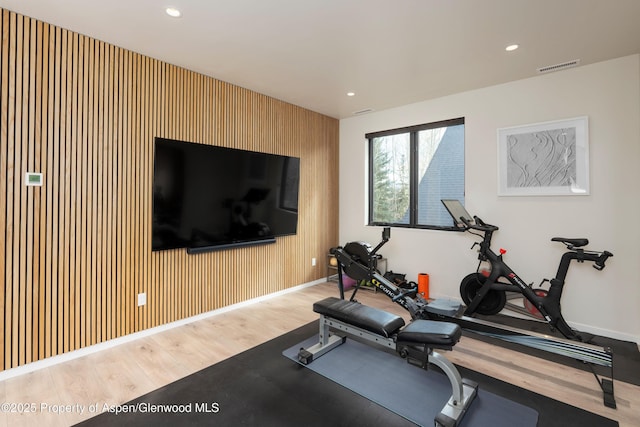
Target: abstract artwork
(544, 159)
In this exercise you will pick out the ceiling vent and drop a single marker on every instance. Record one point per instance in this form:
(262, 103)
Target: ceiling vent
(365, 111)
(558, 67)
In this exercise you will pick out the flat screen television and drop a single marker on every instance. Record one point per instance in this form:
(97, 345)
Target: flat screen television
(207, 197)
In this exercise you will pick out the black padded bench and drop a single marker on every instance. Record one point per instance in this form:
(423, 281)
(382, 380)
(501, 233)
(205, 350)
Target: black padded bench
(414, 342)
(441, 335)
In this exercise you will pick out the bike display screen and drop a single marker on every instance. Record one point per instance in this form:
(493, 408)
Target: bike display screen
(457, 211)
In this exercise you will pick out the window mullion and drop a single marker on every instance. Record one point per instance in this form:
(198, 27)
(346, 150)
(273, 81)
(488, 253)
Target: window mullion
(413, 181)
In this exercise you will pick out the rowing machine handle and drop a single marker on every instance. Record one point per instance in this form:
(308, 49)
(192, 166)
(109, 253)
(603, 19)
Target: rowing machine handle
(404, 294)
(386, 235)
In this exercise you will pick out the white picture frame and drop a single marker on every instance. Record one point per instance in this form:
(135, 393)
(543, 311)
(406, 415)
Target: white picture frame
(544, 159)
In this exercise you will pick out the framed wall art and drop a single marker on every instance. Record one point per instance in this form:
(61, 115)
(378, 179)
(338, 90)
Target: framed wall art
(544, 159)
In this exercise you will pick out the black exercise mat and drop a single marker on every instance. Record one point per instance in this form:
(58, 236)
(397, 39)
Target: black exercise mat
(386, 379)
(626, 357)
(260, 387)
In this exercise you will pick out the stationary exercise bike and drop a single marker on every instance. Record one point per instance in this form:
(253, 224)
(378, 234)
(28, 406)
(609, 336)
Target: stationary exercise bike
(487, 292)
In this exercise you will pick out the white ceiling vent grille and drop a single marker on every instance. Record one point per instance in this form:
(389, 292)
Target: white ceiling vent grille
(558, 67)
(365, 111)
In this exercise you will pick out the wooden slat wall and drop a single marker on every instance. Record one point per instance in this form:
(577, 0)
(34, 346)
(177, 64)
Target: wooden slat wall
(75, 252)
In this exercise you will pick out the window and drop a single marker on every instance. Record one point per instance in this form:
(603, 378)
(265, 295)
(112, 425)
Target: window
(411, 170)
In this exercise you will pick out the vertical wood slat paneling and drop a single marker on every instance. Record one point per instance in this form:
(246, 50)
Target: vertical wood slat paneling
(31, 259)
(20, 214)
(4, 109)
(4, 181)
(39, 79)
(84, 295)
(46, 191)
(11, 280)
(76, 252)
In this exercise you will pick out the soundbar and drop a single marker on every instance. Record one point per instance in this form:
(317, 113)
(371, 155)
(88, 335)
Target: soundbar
(204, 249)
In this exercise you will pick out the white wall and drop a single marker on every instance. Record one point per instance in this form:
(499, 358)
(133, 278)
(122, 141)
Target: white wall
(606, 302)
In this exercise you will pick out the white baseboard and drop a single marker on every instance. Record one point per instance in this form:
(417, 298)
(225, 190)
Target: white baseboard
(65, 357)
(605, 332)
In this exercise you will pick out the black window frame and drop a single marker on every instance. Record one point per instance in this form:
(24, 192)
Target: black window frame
(413, 175)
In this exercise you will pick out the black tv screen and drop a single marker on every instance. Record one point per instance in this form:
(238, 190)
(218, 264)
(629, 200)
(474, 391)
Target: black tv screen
(207, 197)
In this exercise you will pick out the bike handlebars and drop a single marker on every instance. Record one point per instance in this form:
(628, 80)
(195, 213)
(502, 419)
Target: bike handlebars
(599, 263)
(479, 225)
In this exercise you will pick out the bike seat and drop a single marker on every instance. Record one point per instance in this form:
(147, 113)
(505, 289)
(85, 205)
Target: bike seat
(576, 243)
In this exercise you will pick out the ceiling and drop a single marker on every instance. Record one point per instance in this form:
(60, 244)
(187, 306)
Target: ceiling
(389, 53)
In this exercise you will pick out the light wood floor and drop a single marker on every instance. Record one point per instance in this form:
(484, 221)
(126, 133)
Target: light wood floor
(127, 371)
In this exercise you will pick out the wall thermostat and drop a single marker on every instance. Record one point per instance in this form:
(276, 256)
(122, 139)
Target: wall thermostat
(33, 179)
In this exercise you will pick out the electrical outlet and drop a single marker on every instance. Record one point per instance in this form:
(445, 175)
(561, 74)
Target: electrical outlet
(142, 299)
(313, 262)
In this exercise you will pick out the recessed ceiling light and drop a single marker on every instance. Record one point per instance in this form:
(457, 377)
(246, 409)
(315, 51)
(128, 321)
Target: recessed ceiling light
(351, 94)
(173, 12)
(511, 47)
